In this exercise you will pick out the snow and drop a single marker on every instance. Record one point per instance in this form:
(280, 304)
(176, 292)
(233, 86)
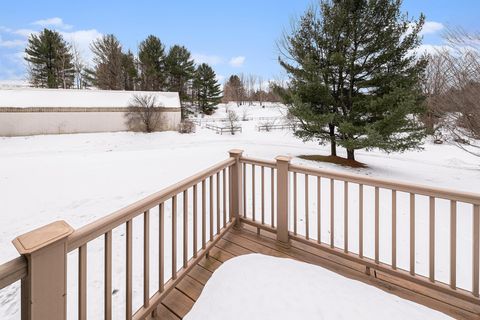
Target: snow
(82, 177)
(64, 98)
(263, 287)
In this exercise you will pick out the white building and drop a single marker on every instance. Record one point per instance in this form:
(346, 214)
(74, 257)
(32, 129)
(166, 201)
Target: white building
(26, 111)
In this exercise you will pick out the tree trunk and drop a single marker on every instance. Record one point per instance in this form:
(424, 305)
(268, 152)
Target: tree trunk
(351, 154)
(333, 142)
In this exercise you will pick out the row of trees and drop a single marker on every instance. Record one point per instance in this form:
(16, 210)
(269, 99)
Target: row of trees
(53, 63)
(249, 89)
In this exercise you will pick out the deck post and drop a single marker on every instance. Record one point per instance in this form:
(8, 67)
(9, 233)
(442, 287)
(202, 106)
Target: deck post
(283, 192)
(45, 287)
(236, 187)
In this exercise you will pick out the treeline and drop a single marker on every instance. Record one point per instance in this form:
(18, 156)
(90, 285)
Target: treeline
(250, 88)
(54, 63)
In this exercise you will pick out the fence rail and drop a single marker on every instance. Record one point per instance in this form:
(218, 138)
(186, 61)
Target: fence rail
(285, 199)
(221, 130)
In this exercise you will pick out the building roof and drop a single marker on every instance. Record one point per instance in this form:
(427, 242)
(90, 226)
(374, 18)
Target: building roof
(64, 98)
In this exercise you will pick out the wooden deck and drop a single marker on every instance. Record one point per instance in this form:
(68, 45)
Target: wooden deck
(245, 241)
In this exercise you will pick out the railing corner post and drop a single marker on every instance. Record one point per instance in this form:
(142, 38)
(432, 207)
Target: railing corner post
(44, 289)
(283, 190)
(236, 187)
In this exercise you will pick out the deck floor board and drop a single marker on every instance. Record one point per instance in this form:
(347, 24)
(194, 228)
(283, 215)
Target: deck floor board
(246, 241)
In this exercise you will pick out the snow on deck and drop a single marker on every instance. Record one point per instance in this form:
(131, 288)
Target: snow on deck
(263, 287)
(62, 98)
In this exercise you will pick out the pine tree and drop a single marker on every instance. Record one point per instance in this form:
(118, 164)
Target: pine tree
(108, 60)
(354, 79)
(130, 74)
(151, 56)
(180, 68)
(50, 60)
(207, 89)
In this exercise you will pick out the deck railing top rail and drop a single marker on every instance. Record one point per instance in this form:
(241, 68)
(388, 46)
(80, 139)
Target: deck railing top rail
(102, 225)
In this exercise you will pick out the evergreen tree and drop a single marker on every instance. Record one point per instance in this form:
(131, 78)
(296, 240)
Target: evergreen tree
(234, 89)
(130, 74)
(50, 60)
(354, 79)
(108, 60)
(151, 56)
(180, 69)
(207, 89)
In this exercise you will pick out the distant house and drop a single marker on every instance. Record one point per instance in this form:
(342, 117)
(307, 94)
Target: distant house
(26, 111)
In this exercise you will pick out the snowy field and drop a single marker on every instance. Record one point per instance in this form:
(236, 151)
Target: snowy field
(82, 177)
(309, 292)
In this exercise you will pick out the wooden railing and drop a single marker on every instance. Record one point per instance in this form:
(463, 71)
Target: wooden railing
(207, 202)
(324, 202)
(264, 194)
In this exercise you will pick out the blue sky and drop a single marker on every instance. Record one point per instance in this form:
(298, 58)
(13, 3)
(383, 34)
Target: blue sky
(233, 36)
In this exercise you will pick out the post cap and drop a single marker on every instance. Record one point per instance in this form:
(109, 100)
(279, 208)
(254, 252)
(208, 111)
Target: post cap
(235, 152)
(283, 158)
(41, 237)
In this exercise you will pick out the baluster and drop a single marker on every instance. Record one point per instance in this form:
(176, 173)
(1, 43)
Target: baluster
(185, 228)
(377, 225)
(218, 202)
(82, 282)
(174, 237)
(345, 218)
(195, 221)
(394, 229)
(128, 286)
(210, 206)
(146, 258)
(319, 210)
(108, 276)
(244, 190)
(332, 213)
(253, 192)
(307, 224)
(453, 244)
(412, 234)
(432, 240)
(476, 249)
(272, 191)
(204, 214)
(224, 185)
(161, 243)
(263, 195)
(360, 220)
(295, 203)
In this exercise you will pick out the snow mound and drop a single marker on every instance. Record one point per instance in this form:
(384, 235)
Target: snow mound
(262, 287)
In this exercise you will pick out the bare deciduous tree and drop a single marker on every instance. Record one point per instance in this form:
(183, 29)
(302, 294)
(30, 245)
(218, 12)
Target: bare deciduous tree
(453, 88)
(144, 113)
(232, 121)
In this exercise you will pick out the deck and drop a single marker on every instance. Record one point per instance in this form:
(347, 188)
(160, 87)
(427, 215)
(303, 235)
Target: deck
(245, 241)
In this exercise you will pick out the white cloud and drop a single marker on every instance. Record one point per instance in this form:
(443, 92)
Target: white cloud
(82, 39)
(209, 59)
(237, 61)
(52, 22)
(431, 27)
(12, 43)
(24, 32)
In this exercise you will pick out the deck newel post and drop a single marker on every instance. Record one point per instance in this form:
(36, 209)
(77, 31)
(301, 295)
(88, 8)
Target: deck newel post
(44, 290)
(283, 193)
(236, 187)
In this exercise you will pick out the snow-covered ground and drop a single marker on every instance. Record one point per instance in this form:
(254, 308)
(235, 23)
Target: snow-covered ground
(255, 287)
(82, 177)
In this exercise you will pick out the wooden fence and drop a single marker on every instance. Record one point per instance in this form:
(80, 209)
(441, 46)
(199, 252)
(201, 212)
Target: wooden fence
(232, 194)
